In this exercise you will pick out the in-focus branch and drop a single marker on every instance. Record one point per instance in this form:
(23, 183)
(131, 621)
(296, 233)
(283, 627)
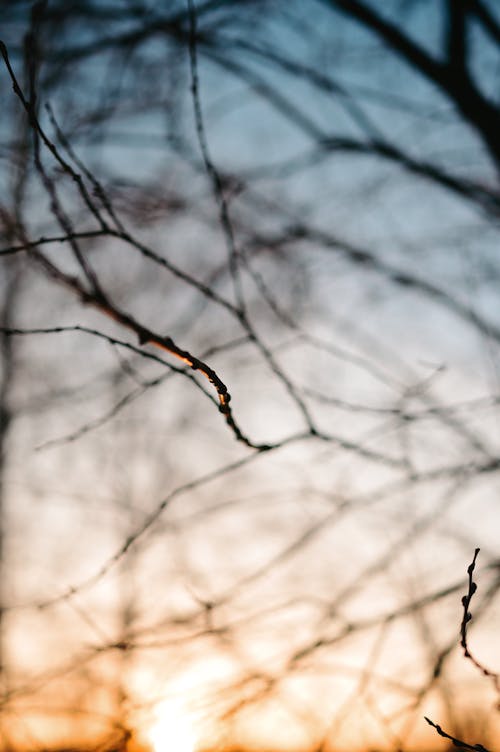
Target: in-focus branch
(466, 618)
(456, 742)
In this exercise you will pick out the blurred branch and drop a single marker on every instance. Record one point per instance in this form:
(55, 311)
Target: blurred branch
(457, 85)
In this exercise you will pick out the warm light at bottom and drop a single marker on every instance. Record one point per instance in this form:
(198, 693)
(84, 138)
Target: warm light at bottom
(173, 729)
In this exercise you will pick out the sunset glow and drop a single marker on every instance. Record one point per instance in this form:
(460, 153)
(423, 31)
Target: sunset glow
(173, 729)
(249, 376)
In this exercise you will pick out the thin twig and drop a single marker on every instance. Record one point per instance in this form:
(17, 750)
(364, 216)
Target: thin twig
(456, 742)
(467, 617)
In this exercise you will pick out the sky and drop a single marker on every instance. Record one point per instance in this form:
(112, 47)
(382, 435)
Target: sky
(159, 576)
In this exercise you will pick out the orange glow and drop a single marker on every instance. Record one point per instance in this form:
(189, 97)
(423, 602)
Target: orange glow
(173, 729)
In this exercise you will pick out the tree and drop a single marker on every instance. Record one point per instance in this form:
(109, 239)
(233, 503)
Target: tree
(267, 264)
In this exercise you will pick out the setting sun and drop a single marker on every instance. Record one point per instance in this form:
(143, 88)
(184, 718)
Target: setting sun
(172, 730)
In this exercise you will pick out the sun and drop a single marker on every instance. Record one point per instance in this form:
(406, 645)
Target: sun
(173, 729)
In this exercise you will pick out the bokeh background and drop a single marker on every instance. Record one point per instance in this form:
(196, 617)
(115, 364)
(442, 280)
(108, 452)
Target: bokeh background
(306, 197)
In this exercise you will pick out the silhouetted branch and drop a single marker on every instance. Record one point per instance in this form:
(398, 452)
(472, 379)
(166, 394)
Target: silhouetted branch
(456, 742)
(467, 617)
